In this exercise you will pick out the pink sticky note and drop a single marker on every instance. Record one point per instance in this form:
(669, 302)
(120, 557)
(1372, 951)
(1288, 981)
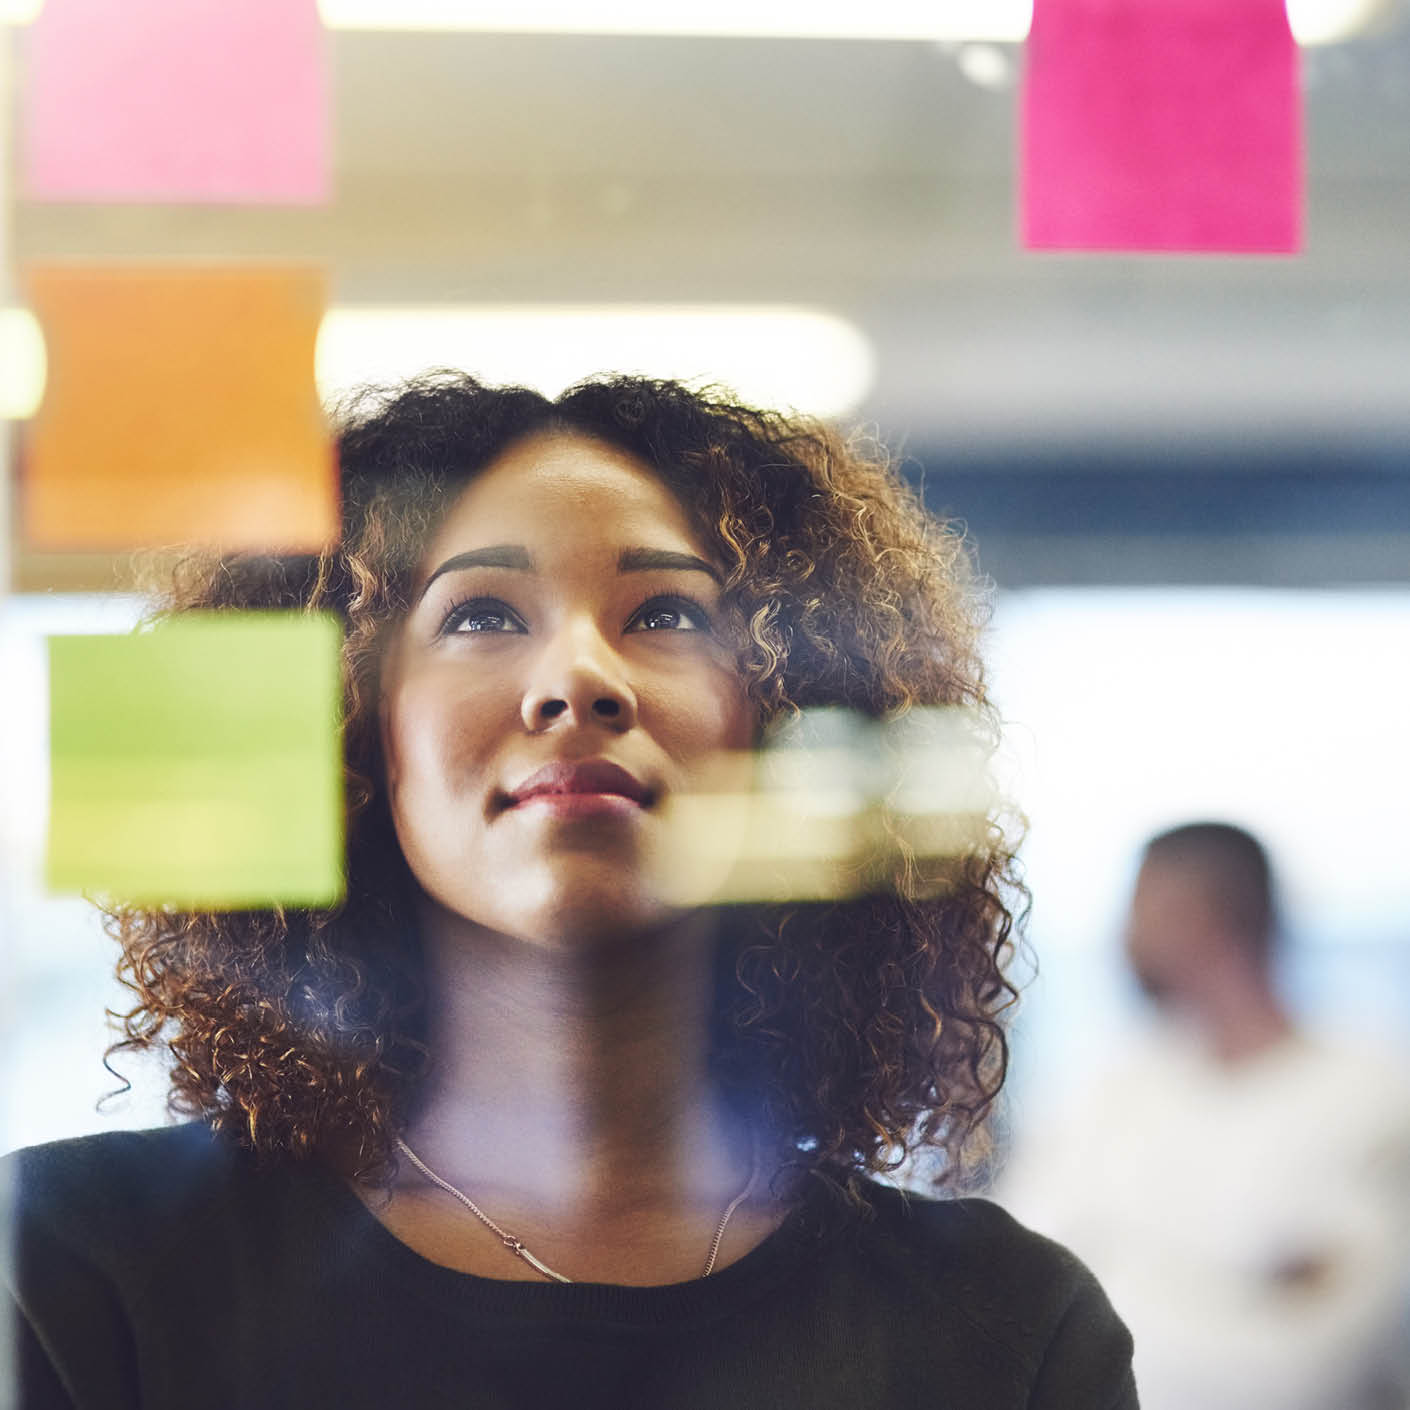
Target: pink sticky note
(176, 100)
(1162, 125)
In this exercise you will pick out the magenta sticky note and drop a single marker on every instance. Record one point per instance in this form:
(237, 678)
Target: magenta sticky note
(176, 101)
(1162, 125)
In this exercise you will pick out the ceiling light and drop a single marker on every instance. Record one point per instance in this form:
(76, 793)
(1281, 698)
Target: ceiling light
(778, 357)
(769, 356)
(22, 364)
(1330, 21)
(822, 19)
(996, 21)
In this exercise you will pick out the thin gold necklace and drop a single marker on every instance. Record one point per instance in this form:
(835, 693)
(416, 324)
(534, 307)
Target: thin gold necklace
(517, 1247)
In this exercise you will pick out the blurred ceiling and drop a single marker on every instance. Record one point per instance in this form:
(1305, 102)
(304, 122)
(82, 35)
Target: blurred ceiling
(877, 179)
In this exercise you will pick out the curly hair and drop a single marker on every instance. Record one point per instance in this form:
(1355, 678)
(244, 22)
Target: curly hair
(855, 1032)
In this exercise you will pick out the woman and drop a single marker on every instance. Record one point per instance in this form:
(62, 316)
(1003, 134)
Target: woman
(509, 1126)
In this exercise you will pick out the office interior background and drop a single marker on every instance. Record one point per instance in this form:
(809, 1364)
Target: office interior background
(1186, 477)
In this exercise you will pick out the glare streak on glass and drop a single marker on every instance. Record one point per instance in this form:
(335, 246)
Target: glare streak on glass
(836, 806)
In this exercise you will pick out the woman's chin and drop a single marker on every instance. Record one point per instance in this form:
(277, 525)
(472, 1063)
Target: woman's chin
(576, 909)
(596, 922)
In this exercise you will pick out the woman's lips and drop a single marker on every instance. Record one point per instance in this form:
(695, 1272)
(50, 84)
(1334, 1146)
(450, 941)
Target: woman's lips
(590, 788)
(580, 805)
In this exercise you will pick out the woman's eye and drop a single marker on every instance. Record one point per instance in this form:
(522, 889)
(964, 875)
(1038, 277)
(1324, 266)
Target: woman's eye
(670, 614)
(480, 616)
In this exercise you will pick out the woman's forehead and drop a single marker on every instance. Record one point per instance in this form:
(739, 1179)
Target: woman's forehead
(564, 485)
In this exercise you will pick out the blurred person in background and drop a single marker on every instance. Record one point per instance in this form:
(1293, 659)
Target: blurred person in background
(1241, 1186)
(510, 1126)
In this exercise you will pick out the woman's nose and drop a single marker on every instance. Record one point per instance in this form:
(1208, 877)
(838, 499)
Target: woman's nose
(580, 680)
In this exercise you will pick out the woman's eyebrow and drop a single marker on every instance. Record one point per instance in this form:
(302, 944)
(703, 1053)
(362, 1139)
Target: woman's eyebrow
(647, 560)
(500, 555)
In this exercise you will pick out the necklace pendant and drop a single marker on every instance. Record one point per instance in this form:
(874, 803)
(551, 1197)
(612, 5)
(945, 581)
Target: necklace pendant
(540, 1265)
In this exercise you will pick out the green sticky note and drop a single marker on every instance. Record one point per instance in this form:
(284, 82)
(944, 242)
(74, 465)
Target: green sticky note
(197, 764)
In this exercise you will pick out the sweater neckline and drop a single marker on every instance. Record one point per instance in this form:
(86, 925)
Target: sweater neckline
(806, 1228)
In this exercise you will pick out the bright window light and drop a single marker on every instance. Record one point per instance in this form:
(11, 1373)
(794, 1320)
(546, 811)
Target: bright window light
(1132, 710)
(797, 358)
(1128, 711)
(997, 21)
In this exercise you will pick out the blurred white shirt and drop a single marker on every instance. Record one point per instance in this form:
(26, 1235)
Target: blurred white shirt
(1251, 1223)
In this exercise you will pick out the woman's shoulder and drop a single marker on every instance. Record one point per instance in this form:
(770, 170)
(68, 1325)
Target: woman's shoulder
(138, 1182)
(957, 1223)
(121, 1161)
(971, 1234)
(1018, 1289)
(151, 1147)
(977, 1246)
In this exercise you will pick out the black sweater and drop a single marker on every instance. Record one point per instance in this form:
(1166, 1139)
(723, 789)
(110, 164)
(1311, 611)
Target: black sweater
(164, 1270)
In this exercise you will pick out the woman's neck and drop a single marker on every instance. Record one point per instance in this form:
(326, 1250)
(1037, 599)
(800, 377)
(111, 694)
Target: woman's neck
(575, 1080)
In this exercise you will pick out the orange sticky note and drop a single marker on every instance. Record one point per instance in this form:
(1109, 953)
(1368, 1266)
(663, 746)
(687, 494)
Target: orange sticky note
(176, 100)
(180, 407)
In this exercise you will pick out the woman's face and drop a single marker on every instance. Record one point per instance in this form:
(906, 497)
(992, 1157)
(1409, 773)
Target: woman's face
(560, 676)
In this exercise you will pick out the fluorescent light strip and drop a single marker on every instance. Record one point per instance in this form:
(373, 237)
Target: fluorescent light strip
(823, 19)
(771, 356)
(991, 21)
(1331, 21)
(22, 364)
(994, 21)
